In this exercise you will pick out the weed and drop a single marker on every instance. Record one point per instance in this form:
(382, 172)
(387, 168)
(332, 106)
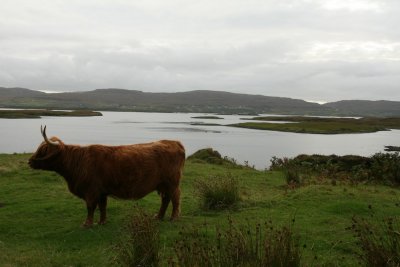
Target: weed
(379, 240)
(139, 246)
(194, 248)
(281, 247)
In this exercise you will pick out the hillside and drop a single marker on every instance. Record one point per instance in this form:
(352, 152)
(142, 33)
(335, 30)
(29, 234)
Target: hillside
(9, 93)
(380, 108)
(191, 101)
(132, 100)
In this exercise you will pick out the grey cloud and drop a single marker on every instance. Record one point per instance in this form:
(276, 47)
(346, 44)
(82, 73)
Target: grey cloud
(261, 47)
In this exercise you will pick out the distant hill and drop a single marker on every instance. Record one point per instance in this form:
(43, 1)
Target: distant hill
(191, 101)
(132, 100)
(381, 108)
(9, 93)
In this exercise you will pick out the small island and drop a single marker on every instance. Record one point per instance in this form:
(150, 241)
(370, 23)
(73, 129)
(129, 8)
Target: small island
(208, 117)
(38, 113)
(204, 124)
(392, 148)
(321, 125)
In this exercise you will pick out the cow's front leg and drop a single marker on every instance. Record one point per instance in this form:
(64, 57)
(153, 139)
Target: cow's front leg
(91, 207)
(102, 207)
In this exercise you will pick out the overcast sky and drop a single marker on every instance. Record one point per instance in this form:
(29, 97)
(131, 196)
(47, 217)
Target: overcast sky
(317, 50)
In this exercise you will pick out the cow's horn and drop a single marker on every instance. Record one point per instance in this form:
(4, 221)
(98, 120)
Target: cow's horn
(43, 131)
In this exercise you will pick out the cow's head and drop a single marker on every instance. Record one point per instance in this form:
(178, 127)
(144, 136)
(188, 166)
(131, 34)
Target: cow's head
(47, 153)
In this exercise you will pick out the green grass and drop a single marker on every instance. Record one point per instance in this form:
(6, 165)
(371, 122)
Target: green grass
(317, 125)
(37, 113)
(40, 220)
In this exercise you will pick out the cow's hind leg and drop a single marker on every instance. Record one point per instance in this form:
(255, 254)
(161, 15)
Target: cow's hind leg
(165, 199)
(175, 203)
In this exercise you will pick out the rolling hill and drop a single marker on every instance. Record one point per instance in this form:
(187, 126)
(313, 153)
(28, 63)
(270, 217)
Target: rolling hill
(381, 108)
(191, 101)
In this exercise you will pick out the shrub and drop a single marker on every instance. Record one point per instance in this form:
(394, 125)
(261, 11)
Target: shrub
(139, 244)
(218, 192)
(381, 168)
(278, 164)
(379, 242)
(385, 167)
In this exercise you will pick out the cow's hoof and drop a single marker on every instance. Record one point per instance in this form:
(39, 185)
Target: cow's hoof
(87, 224)
(158, 217)
(174, 218)
(102, 222)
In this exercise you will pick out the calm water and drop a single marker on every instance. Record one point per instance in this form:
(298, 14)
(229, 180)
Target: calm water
(255, 146)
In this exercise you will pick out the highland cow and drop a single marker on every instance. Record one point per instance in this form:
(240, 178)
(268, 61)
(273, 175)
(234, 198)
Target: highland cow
(95, 172)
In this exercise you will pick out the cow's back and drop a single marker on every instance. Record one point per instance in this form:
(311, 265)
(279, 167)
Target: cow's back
(133, 171)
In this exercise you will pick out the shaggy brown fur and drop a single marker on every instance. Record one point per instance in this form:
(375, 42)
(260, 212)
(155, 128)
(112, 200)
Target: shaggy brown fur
(95, 172)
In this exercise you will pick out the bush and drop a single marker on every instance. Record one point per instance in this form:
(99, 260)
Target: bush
(385, 167)
(218, 192)
(139, 245)
(380, 168)
(278, 164)
(379, 242)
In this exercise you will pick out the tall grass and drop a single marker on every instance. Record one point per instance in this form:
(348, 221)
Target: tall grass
(218, 192)
(139, 245)
(378, 240)
(281, 247)
(259, 245)
(194, 248)
(292, 177)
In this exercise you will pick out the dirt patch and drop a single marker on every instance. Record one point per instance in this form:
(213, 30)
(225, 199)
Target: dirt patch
(2, 205)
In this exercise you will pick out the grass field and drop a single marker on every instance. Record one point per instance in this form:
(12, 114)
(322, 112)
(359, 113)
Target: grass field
(40, 220)
(317, 125)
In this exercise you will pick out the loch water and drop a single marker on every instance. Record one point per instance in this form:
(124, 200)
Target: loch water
(256, 147)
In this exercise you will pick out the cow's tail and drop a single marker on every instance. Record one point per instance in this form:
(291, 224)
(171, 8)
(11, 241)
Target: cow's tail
(182, 154)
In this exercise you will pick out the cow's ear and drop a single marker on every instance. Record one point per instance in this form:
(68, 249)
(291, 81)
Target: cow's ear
(56, 141)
